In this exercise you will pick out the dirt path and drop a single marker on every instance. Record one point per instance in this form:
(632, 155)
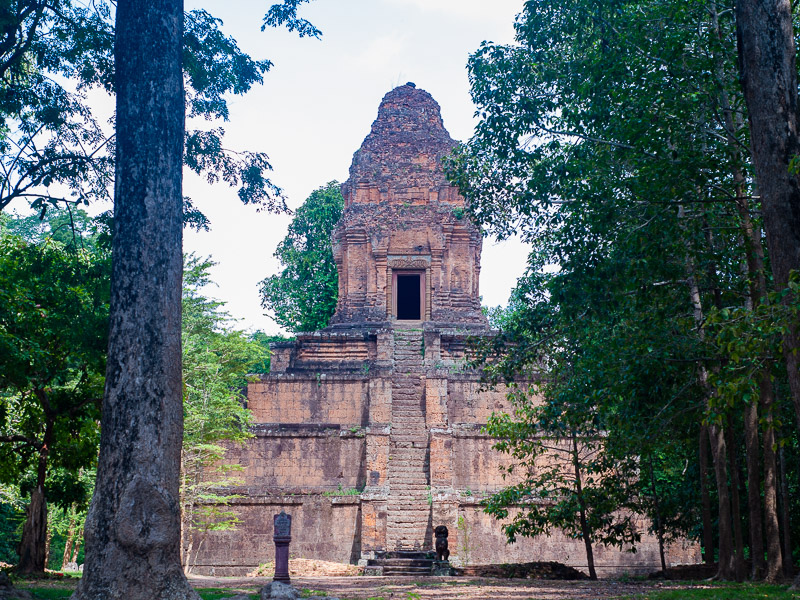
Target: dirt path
(447, 588)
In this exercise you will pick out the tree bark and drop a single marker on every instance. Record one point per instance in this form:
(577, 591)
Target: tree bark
(716, 434)
(785, 518)
(769, 78)
(132, 532)
(76, 548)
(727, 563)
(68, 542)
(754, 490)
(735, 508)
(33, 545)
(772, 529)
(32, 551)
(708, 531)
(585, 533)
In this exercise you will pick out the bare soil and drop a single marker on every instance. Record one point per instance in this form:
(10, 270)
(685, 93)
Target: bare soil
(449, 588)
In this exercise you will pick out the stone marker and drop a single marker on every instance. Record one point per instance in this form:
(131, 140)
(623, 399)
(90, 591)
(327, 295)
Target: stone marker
(278, 591)
(282, 535)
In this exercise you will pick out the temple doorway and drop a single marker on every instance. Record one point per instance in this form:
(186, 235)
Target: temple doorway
(409, 295)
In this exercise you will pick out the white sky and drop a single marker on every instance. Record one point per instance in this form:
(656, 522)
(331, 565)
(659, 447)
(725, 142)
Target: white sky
(316, 106)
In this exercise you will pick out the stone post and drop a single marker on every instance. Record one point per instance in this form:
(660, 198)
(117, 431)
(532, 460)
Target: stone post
(282, 535)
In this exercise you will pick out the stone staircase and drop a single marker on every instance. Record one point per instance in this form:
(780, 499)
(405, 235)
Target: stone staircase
(408, 508)
(395, 563)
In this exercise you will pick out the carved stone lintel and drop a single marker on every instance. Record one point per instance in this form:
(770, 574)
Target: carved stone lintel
(410, 263)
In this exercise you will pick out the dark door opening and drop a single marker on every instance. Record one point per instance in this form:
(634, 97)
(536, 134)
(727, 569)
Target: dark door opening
(409, 302)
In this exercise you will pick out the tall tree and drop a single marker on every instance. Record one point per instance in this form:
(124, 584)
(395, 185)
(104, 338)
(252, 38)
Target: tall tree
(769, 77)
(642, 197)
(51, 374)
(216, 359)
(302, 297)
(133, 527)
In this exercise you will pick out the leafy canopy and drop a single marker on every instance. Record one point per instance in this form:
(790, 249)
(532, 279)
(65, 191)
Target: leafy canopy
(303, 296)
(54, 148)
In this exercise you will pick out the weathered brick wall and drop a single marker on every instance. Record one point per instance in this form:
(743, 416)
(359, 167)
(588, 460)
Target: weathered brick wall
(322, 527)
(301, 460)
(486, 543)
(476, 466)
(467, 404)
(310, 398)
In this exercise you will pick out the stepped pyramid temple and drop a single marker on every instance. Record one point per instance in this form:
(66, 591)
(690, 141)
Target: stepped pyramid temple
(369, 432)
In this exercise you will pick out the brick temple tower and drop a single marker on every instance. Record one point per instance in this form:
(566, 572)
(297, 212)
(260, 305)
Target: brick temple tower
(403, 249)
(369, 431)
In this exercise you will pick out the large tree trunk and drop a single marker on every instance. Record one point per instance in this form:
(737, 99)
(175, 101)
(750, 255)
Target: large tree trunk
(708, 531)
(738, 537)
(785, 517)
(586, 534)
(769, 78)
(132, 531)
(33, 545)
(774, 558)
(727, 561)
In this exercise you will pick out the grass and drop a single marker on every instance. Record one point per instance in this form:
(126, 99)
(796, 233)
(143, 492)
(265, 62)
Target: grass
(62, 593)
(50, 593)
(721, 591)
(217, 593)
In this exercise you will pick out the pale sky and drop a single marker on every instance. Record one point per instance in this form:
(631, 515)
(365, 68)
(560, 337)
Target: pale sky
(316, 106)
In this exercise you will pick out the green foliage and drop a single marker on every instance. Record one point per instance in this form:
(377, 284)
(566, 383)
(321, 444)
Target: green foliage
(12, 515)
(53, 338)
(750, 340)
(52, 54)
(303, 296)
(216, 358)
(609, 138)
(65, 525)
(571, 480)
(739, 591)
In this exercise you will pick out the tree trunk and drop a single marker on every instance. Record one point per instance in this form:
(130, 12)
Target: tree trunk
(774, 558)
(727, 566)
(585, 533)
(69, 541)
(769, 79)
(659, 527)
(754, 254)
(735, 503)
(727, 563)
(754, 261)
(76, 548)
(754, 490)
(785, 517)
(32, 551)
(33, 545)
(132, 531)
(708, 531)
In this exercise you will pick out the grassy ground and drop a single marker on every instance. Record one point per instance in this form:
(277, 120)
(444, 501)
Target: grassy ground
(721, 591)
(62, 588)
(63, 593)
